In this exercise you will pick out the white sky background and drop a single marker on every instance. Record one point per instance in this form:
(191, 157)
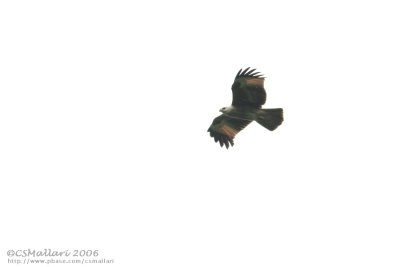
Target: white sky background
(104, 108)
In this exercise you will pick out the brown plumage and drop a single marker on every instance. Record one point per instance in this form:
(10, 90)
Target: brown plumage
(248, 95)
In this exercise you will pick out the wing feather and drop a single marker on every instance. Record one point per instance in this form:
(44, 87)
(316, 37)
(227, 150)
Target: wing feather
(248, 89)
(238, 73)
(251, 71)
(244, 72)
(224, 129)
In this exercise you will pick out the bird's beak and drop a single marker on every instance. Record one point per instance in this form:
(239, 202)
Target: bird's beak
(220, 110)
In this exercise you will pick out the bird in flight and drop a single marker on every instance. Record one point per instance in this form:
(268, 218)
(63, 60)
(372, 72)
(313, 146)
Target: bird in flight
(248, 96)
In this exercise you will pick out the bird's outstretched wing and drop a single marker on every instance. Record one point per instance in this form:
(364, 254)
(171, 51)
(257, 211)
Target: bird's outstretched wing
(224, 129)
(248, 89)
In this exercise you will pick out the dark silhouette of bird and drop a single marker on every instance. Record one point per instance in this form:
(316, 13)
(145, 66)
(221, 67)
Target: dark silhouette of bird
(248, 96)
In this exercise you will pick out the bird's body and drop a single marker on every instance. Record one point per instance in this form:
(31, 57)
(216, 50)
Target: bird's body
(245, 113)
(248, 96)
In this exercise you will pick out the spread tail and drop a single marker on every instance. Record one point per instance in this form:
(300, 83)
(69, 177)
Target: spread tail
(270, 118)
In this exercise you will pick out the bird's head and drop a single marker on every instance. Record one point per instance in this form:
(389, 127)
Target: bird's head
(225, 109)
